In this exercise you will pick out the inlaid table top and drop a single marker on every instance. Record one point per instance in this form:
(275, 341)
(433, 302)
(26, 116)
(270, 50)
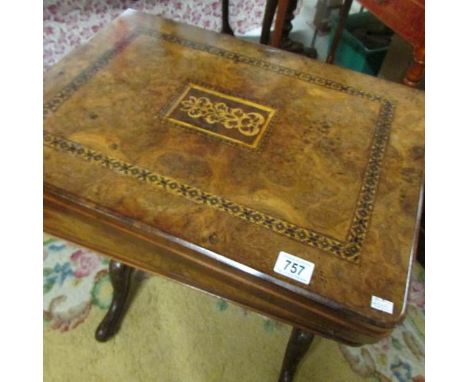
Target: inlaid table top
(201, 157)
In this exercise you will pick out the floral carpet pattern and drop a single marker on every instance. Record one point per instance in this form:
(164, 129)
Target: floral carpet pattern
(70, 23)
(76, 280)
(401, 356)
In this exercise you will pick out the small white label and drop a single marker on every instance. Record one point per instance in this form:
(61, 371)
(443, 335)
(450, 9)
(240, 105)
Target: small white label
(294, 267)
(381, 304)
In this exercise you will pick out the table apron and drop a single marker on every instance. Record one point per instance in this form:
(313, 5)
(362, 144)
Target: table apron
(169, 259)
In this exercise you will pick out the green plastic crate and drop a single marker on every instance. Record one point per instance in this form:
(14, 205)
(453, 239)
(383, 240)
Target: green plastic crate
(351, 52)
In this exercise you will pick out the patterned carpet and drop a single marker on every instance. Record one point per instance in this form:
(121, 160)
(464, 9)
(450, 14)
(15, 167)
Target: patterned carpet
(173, 333)
(70, 23)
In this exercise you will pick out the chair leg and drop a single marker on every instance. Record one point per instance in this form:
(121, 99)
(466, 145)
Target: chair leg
(415, 73)
(283, 27)
(288, 18)
(299, 343)
(226, 28)
(120, 275)
(344, 11)
(270, 9)
(278, 33)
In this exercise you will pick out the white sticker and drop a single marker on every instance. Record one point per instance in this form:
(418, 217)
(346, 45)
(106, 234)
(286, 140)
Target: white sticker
(381, 304)
(294, 267)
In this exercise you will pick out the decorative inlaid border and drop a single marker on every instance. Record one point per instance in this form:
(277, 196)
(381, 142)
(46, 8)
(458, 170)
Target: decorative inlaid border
(349, 249)
(69, 89)
(193, 193)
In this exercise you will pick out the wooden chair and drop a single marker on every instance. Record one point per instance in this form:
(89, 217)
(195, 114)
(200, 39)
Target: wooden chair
(405, 17)
(283, 25)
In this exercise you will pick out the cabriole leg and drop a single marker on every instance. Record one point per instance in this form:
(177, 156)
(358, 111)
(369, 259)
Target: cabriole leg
(120, 275)
(299, 343)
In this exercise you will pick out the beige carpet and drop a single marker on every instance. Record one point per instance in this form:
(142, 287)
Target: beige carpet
(173, 333)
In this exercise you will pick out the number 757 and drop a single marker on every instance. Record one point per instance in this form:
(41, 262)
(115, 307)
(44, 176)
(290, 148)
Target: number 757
(293, 267)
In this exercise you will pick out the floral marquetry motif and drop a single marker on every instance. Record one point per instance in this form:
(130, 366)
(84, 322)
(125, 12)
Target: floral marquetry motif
(220, 115)
(247, 123)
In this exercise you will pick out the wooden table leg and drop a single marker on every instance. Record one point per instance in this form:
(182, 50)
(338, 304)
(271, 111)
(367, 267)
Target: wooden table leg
(344, 11)
(226, 28)
(415, 72)
(120, 275)
(299, 343)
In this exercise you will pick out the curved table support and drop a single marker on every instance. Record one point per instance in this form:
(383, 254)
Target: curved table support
(298, 344)
(120, 275)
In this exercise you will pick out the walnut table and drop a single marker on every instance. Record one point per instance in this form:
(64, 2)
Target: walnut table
(288, 186)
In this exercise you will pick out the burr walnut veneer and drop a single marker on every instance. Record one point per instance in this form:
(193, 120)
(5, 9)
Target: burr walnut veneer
(201, 157)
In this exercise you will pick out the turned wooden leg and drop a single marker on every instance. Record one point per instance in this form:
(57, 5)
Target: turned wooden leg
(120, 275)
(226, 28)
(415, 72)
(344, 11)
(283, 27)
(283, 6)
(288, 18)
(270, 9)
(299, 343)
